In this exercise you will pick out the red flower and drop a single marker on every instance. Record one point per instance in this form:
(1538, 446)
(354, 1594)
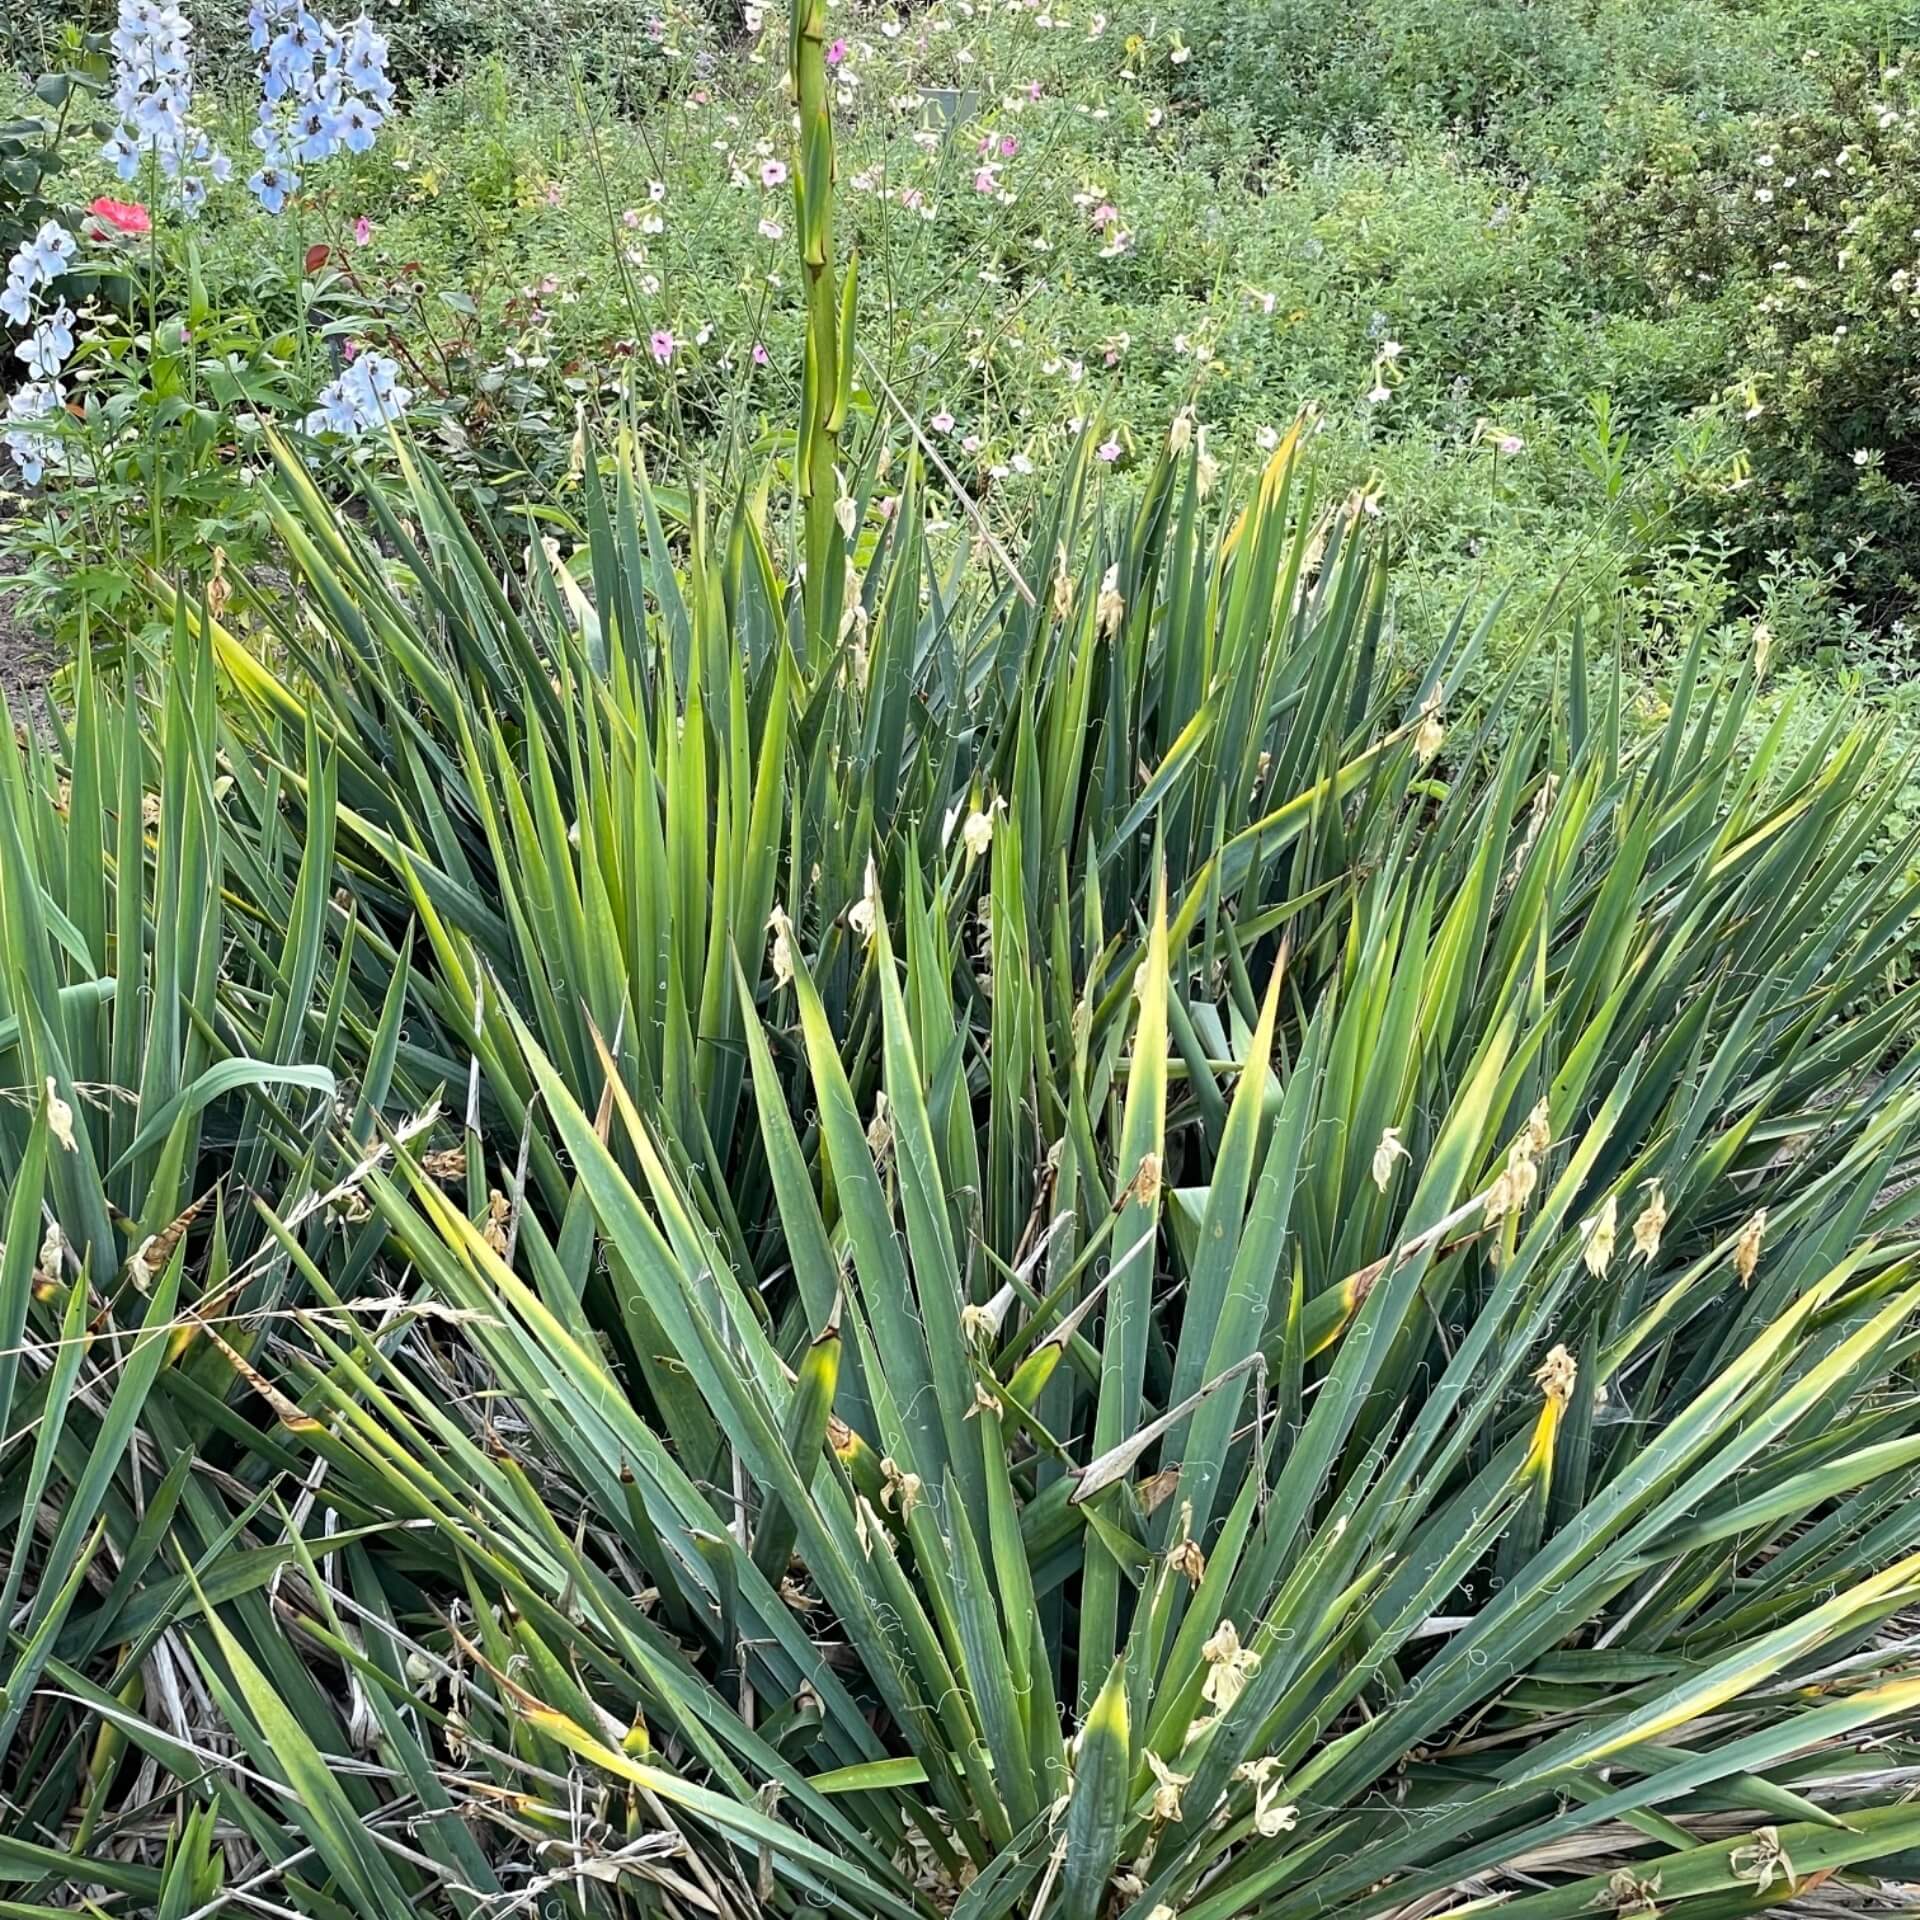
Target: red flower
(128, 216)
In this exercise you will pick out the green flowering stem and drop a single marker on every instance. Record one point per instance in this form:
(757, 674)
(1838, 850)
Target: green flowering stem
(823, 390)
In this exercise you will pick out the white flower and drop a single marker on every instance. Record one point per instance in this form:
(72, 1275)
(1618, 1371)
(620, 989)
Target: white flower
(781, 956)
(864, 915)
(977, 829)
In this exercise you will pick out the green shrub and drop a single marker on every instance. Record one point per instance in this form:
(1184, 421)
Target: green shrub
(1812, 220)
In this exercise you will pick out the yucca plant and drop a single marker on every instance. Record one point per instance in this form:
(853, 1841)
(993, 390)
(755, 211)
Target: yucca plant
(910, 1232)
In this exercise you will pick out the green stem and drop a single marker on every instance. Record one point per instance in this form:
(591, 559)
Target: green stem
(153, 355)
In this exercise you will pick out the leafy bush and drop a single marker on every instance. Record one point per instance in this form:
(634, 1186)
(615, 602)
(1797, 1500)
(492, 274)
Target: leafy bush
(1810, 222)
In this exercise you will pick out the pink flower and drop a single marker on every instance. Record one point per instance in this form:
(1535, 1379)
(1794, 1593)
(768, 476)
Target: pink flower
(773, 173)
(1009, 146)
(836, 53)
(760, 356)
(127, 216)
(661, 345)
(362, 230)
(1033, 89)
(1105, 214)
(942, 422)
(631, 218)
(1110, 451)
(985, 182)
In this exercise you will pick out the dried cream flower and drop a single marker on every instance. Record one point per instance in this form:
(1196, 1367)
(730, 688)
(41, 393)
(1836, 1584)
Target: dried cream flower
(60, 1117)
(1167, 1786)
(1385, 1154)
(780, 957)
(1271, 1815)
(46, 1270)
(1110, 609)
(1206, 469)
(1231, 1666)
(899, 1487)
(494, 1231)
(1186, 1556)
(1146, 1182)
(1746, 1249)
(1427, 741)
(977, 830)
(1647, 1228)
(1763, 1860)
(1556, 1375)
(880, 1127)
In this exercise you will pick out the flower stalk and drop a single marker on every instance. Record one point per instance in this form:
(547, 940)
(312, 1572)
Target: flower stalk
(829, 339)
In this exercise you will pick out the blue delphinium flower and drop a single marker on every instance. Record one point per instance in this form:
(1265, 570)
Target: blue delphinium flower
(323, 89)
(45, 350)
(367, 394)
(47, 255)
(153, 95)
(33, 449)
(35, 266)
(272, 184)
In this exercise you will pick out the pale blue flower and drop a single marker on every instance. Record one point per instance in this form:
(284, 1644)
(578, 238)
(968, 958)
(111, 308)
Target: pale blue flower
(45, 350)
(272, 185)
(50, 252)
